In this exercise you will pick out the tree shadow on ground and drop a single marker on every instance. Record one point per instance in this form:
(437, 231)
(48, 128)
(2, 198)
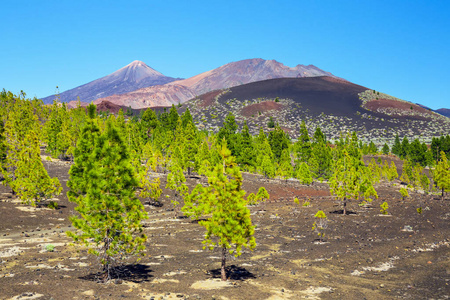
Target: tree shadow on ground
(48, 205)
(234, 273)
(136, 273)
(196, 221)
(341, 212)
(154, 203)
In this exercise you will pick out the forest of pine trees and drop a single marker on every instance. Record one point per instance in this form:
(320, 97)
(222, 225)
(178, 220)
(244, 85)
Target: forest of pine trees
(113, 157)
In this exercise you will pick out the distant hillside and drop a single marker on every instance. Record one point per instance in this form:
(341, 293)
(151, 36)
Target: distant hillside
(444, 112)
(229, 75)
(333, 104)
(134, 76)
(441, 111)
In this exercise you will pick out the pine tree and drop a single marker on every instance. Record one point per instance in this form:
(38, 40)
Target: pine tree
(397, 147)
(278, 141)
(202, 159)
(229, 132)
(150, 188)
(442, 174)
(246, 157)
(285, 168)
(53, 128)
(375, 170)
(190, 145)
(3, 145)
(186, 118)
(102, 184)
(321, 159)
(176, 182)
(149, 122)
(405, 148)
(407, 172)
(393, 174)
(303, 146)
(173, 118)
(22, 167)
(264, 156)
(228, 223)
(372, 148)
(33, 184)
(385, 149)
(304, 174)
(351, 179)
(262, 194)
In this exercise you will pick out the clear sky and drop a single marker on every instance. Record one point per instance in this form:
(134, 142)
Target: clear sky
(397, 47)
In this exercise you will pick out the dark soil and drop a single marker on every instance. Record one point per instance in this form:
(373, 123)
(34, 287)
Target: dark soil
(400, 106)
(316, 94)
(265, 106)
(404, 255)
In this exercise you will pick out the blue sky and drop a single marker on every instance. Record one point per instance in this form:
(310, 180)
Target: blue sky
(398, 47)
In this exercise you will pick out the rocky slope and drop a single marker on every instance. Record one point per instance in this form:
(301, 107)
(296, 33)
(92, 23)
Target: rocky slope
(134, 76)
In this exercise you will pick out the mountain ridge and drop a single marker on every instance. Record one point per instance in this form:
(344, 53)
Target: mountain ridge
(228, 75)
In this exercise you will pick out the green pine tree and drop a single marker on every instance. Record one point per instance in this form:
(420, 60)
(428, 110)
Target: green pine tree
(33, 184)
(385, 149)
(285, 168)
(176, 182)
(228, 223)
(351, 179)
(102, 184)
(303, 174)
(442, 174)
(3, 145)
(303, 146)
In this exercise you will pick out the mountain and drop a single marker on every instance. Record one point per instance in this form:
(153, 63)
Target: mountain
(333, 104)
(229, 75)
(134, 76)
(246, 71)
(444, 112)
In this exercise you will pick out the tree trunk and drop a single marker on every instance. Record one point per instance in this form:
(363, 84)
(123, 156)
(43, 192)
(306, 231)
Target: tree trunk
(224, 260)
(345, 206)
(442, 194)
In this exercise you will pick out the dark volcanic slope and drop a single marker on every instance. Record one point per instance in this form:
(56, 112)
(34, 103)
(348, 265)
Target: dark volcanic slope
(333, 104)
(316, 94)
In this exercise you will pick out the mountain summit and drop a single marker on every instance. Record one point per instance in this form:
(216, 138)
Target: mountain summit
(135, 72)
(133, 76)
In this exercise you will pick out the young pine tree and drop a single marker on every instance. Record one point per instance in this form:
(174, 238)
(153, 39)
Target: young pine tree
(3, 145)
(176, 182)
(102, 184)
(385, 149)
(285, 168)
(33, 184)
(442, 174)
(22, 167)
(303, 174)
(351, 179)
(228, 223)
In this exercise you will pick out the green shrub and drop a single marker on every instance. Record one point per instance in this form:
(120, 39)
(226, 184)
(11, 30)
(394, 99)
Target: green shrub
(404, 193)
(53, 205)
(50, 248)
(384, 208)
